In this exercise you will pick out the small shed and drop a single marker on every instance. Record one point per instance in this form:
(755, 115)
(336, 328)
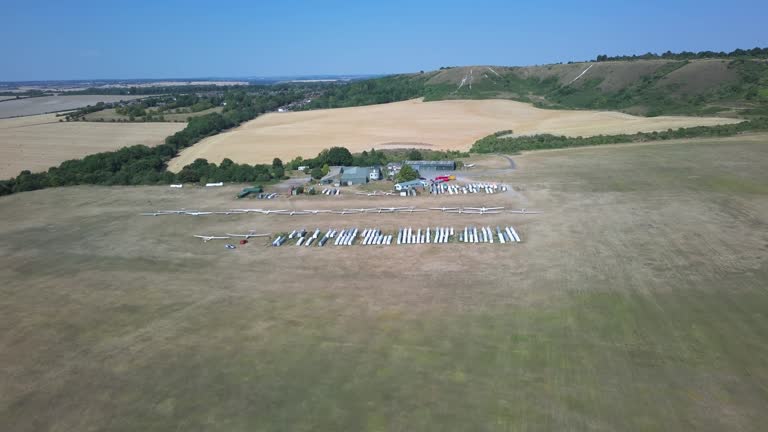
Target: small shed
(409, 185)
(375, 173)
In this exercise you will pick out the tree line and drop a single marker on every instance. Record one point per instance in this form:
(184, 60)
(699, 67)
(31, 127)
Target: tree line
(142, 165)
(369, 92)
(164, 90)
(688, 55)
(501, 142)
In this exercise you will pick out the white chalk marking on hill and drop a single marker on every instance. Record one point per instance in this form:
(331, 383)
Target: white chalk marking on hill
(580, 75)
(461, 84)
(470, 79)
(491, 69)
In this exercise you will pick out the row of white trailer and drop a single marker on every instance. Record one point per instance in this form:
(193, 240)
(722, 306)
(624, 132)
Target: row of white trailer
(474, 234)
(428, 235)
(458, 189)
(405, 236)
(331, 191)
(266, 195)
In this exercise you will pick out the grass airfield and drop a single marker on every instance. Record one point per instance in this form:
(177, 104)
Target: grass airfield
(637, 301)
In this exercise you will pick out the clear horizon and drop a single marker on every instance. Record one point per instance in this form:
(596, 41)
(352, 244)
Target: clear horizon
(89, 40)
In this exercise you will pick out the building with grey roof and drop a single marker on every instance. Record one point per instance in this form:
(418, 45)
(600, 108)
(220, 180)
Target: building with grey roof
(356, 175)
(440, 165)
(410, 185)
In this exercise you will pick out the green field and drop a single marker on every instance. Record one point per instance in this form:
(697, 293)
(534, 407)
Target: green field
(637, 302)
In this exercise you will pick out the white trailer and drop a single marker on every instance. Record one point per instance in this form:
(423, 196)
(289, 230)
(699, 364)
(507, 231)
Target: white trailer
(340, 237)
(509, 234)
(514, 233)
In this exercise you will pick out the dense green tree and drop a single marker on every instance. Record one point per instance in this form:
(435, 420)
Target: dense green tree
(407, 173)
(278, 172)
(316, 173)
(338, 156)
(295, 163)
(414, 154)
(373, 91)
(188, 175)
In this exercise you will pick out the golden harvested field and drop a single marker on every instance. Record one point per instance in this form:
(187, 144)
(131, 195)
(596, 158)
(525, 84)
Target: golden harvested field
(451, 125)
(37, 143)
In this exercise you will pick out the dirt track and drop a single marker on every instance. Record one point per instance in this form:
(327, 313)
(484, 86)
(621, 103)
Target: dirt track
(440, 125)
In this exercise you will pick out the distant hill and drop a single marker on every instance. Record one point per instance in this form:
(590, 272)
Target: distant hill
(712, 86)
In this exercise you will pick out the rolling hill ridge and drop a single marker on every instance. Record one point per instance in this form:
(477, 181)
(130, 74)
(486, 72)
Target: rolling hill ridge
(716, 86)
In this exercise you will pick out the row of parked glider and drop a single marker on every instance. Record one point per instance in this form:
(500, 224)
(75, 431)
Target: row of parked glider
(457, 189)
(375, 193)
(247, 236)
(404, 236)
(458, 210)
(375, 236)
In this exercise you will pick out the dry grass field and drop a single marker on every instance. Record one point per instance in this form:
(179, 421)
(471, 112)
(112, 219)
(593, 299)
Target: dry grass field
(636, 302)
(49, 104)
(454, 125)
(37, 143)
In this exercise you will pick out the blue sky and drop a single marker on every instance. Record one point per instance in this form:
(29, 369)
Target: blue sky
(160, 39)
